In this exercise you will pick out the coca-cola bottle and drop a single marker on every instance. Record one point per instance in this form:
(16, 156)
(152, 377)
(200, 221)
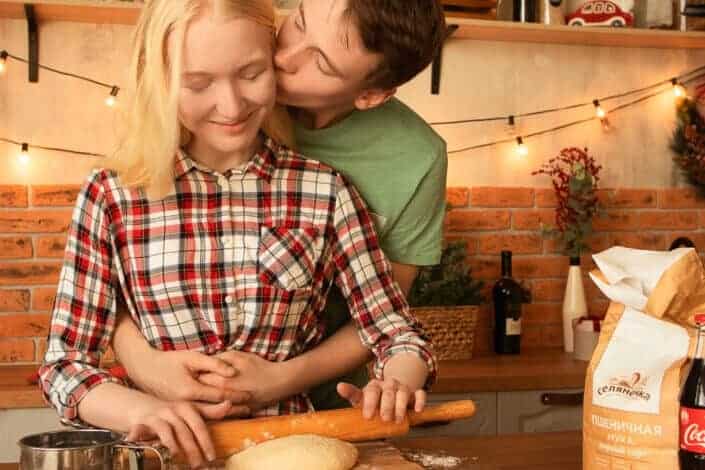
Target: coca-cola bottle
(692, 415)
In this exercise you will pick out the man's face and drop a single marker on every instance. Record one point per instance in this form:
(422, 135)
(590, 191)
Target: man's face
(321, 62)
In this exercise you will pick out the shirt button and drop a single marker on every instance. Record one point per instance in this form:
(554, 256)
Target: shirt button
(222, 181)
(229, 299)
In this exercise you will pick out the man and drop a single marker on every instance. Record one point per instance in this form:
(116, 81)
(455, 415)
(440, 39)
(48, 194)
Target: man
(339, 63)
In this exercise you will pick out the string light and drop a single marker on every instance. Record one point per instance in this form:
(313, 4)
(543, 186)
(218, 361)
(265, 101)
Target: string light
(578, 122)
(511, 126)
(24, 154)
(112, 99)
(4, 55)
(678, 89)
(694, 74)
(3, 61)
(25, 148)
(599, 111)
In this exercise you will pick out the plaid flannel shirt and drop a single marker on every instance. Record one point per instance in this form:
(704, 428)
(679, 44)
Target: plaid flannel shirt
(242, 260)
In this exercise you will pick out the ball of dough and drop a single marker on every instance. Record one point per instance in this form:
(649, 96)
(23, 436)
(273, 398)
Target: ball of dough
(306, 451)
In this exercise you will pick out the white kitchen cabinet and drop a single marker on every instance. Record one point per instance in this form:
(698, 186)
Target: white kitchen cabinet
(15, 424)
(507, 413)
(484, 423)
(519, 412)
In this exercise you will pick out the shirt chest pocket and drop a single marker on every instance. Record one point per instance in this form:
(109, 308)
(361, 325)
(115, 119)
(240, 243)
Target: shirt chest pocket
(288, 257)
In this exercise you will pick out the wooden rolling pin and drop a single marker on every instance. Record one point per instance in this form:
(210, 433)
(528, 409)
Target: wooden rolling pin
(232, 436)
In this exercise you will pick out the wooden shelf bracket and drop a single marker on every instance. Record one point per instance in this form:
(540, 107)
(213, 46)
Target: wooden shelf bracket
(33, 46)
(437, 62)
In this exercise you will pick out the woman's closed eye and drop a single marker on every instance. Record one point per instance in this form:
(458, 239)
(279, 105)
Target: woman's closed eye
(252, 74)
(197, 85)
(323, 65)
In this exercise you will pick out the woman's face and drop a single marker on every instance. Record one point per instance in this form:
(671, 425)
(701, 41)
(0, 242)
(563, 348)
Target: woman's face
(228, 85)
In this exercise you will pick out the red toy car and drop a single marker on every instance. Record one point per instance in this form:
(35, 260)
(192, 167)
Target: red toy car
(600, 13)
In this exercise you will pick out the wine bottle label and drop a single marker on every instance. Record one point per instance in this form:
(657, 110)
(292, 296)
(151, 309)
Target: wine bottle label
(693, 430)
(630, 373)
(513, 327)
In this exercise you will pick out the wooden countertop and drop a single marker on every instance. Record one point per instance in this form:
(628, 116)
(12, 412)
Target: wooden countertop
(534, 451)
(532, 370)
(541, 451)
(15, 391)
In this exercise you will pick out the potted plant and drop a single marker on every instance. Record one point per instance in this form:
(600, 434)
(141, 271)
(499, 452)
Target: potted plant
(445, 298)
(574, 176)
(688, 140)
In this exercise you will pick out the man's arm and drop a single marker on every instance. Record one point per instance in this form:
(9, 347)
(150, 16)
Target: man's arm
(340, 353)
(404, 275)
(129, 345)
(336, 356)
(171, 375)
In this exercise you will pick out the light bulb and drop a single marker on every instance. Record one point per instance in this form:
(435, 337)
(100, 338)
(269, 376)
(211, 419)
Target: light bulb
(112, 99)
(3, 61)
(511, 127)
(522, 149)
(24, 154)
(678, 89)
(599, 111)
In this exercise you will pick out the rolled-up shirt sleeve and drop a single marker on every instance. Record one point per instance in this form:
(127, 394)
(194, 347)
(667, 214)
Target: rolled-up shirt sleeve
(365, 278)
(83, 314)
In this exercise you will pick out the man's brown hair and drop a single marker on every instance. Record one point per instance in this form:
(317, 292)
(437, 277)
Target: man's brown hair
(407, 33)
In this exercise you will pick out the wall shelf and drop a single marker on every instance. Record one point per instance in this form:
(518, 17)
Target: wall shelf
(575, 35)
(80, 11)
(113, 12)
(118, 12)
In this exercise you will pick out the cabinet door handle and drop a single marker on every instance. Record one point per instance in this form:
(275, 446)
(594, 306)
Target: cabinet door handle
(433, 424)
(562, 399)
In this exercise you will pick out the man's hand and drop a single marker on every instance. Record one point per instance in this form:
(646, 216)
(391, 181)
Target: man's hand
(265, 381)
(389, 397)
(173, 376)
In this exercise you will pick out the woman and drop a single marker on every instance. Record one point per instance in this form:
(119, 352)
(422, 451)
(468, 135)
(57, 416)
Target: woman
(214, 235)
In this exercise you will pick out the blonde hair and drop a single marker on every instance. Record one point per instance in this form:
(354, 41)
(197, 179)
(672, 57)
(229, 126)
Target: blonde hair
(152, 132)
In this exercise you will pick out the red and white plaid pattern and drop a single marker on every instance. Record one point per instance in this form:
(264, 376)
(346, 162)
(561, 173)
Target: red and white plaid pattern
(242, 260)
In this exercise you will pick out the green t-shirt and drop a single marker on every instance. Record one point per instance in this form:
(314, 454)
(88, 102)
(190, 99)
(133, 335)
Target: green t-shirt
(399, 164)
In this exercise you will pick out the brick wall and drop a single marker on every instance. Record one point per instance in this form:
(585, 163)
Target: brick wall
(33, 224)
(493, 219)
(34, 220)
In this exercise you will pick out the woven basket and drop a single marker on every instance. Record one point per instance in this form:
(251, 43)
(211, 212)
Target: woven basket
(451, 329)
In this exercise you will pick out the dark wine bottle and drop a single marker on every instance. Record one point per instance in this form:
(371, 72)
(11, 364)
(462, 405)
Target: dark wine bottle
(525, 11)
(508, 296)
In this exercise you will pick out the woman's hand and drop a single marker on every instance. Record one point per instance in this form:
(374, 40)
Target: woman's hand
(390, 398)
(173, 376)
(266, 382)
(178, 425)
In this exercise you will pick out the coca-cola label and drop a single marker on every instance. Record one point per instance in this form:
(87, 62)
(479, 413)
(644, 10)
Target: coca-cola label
(693, 430)
(630, 373)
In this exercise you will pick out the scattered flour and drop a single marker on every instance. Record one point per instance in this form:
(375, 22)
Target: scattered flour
(434, 460)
